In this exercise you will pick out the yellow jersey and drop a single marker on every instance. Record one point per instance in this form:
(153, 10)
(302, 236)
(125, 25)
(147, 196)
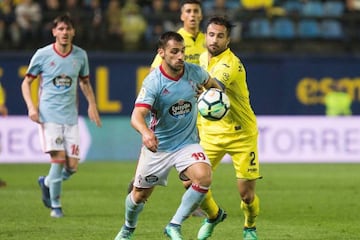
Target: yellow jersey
(193, 48)
(228, 69)
(2, 95)
(256, 4)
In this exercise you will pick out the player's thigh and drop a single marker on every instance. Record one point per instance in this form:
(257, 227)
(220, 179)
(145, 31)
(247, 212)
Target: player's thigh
(244, 154)
(52, 137)
(152, 169)
(192, 163)
(72, 142)
(213, 150)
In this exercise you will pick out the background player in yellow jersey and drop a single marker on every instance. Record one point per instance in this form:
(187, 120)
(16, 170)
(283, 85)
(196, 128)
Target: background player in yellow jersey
(194, 39)
(3, 108)
(238, 129)
(3, 112)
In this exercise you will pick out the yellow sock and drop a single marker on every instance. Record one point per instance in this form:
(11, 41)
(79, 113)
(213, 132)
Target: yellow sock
(209, 206)
(251, 211)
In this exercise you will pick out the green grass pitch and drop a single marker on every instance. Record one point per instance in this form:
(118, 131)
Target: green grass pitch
(298, 202)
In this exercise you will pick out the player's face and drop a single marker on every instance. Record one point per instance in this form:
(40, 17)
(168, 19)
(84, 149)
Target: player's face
(217, 39)
(63, 33)
(191, 15)
(173, 55)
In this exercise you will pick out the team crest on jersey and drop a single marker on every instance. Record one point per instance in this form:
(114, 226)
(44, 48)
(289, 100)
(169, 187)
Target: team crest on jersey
(62, 81)
(142, 94)
(180, 109)
(59, 140)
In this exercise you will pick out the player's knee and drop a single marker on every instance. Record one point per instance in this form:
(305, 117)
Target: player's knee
(186, 184)
(203, 180)
(130, 186)
(140, 195)
(72, 164)
(247, 197)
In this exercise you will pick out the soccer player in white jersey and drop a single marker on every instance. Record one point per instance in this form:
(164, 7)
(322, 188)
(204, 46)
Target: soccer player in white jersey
(61, 67)
(169, 135)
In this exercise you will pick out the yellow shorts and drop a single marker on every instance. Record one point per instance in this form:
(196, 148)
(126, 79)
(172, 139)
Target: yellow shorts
(242, 149)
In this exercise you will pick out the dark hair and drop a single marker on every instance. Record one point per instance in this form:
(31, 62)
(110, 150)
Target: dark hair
(65, 18)
(223, 21)
(167, 36)
(190, 2)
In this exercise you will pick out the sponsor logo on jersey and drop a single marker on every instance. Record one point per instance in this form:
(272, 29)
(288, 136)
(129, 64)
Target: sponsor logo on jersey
(192, 57)
(62, 82)
(180, 109)
(151, 179)
(252, 169)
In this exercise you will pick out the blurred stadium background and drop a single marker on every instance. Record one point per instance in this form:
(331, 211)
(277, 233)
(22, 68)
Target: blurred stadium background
(294, 52)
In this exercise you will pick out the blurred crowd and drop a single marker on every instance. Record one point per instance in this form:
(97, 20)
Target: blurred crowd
(135, 25)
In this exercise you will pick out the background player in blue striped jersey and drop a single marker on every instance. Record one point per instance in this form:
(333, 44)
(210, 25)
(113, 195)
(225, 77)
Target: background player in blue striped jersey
(62, 67)
(165, 115)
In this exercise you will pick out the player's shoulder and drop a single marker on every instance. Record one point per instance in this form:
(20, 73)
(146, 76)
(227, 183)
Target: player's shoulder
(201, 35)
(229, 55)
(78, 50)
(43, 52)
(45, 49)
(204, 56)
(229, 59)
(194, 71)
(150, 79)
(191, 66)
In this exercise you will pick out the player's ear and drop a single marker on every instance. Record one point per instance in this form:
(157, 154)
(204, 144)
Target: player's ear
(182, 17)
(161, 52)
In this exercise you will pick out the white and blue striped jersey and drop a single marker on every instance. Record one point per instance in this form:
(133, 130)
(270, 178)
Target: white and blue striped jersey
(173, 106)
(59, 74)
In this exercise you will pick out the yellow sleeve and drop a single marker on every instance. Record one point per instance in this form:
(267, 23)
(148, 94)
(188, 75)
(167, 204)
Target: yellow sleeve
(157, 61)
(2, 96)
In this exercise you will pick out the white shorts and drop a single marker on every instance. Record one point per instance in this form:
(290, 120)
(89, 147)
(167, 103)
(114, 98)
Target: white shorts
(60, 137)
(154, 168)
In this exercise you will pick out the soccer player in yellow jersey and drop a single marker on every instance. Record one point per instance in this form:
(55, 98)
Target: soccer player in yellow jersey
(3, 109)
(4, 112)
(194, 39)
(238, 129)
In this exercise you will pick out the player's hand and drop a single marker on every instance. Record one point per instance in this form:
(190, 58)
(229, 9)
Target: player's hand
(34, 115)
(150, 141)
(199, 90)
(3, 110)
(94, 115)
